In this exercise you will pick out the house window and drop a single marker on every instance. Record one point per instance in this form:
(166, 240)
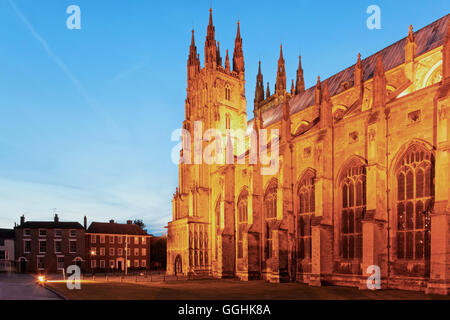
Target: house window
(143, 241)
(144, 252)
(60, 263)
(136, 240)
(40, 263)
(27, 232)
(58, 248)
(73, 246)
(128, 252)
(93, 251)
(353, 208)
(136, 252)
(112, 264)
(27, 246)
(136, 263)
(93, 264)
(111, 252)
(58, 233)
(102, 239)
(93, 239)
(111, 239)
(102, 252)
(42, 246)
(306, 208)
(270, 206)
(143, 264)
(119, 240)
(102, 264)
(242, 221)
(120, 252)
(415, 196)
(73, 233)
(42, 233)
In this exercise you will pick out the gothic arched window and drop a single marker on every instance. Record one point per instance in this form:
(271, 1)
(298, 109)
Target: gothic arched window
(415, 195)
(270, 207)
(242, 220)
(227, 93)
(353, 209)
(306, 208)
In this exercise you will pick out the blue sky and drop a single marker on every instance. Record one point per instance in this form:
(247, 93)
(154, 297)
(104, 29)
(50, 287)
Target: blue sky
(86, 115)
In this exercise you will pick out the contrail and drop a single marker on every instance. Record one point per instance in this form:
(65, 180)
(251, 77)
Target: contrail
(83, 92)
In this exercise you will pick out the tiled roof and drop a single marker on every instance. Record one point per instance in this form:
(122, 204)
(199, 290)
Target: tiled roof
(427, 38)
(7, 234)
(116, 228)
(50, 225)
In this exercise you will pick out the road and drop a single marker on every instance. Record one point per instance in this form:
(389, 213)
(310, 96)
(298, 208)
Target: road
(23, 287)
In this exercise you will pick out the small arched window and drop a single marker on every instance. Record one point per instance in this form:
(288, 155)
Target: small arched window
(227, 93)
(270, 206)
(242, 220)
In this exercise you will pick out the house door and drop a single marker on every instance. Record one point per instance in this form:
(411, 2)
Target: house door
(119, 265)
(23, 266)
(178, 265)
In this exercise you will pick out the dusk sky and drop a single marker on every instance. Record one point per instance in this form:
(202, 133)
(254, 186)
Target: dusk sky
(86, 115)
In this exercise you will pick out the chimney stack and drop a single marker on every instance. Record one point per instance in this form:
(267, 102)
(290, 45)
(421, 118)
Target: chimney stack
(129, 222)
(56, 218)
(111, 221)
(22, 219)
(85, 222)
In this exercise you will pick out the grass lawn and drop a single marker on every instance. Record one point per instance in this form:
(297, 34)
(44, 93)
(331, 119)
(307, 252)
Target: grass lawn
(227, 290)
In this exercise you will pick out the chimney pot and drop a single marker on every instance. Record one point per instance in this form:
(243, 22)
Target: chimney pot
(22, 219)
(56, 218)
(111, 221)
(129, 222)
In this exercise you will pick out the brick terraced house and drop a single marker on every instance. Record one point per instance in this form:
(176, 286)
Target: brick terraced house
(117, 247)
(48, 246)
(363, 175)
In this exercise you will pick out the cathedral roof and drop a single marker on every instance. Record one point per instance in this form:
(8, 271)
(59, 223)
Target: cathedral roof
(427, 39)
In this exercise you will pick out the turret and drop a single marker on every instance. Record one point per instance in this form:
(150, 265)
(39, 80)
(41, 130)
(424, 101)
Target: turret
(259, 91)
(326, 108)
(193, 61)
(210, 44)
(358, 77)
(379, 84)
(410, 47)
(300, 84)
(227, 63)
(318, 93)
(238, 55)
(280, 86)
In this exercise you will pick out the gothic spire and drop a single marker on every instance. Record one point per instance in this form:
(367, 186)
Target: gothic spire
(300, 85)
(210, 44)
(193, 61)
(292, 88)
(227, 63)
(259, 91)
(219, 58)
(280, 87)
(268, 91)
(238, 55)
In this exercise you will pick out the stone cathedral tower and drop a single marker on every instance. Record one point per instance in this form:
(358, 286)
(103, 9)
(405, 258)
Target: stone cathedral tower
(215, 100)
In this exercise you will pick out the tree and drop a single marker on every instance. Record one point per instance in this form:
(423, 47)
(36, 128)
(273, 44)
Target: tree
(140, 223)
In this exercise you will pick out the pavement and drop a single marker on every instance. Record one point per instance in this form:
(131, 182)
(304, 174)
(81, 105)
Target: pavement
(23, 287)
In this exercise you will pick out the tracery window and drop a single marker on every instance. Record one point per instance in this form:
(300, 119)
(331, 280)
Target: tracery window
(306, 208)
(227, 93)
(270, 207)
(242, 221)
(415, 195)
(353, 209)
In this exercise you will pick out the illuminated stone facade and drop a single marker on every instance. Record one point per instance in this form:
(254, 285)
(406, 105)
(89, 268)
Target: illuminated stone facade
(363, 173)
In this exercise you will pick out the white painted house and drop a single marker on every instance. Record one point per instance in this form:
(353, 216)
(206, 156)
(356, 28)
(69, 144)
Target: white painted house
(7, 259)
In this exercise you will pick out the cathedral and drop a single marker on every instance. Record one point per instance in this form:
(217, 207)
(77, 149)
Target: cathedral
(363, 173)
